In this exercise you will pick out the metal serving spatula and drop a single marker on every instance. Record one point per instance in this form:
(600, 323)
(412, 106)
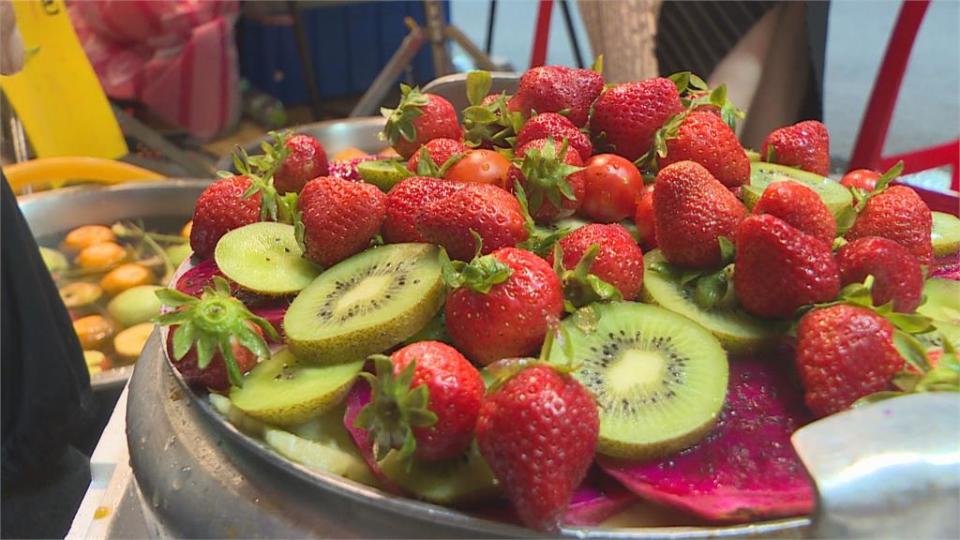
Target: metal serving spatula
(887, 470)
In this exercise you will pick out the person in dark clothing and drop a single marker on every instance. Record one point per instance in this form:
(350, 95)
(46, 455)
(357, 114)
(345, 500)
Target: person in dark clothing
(45, 391)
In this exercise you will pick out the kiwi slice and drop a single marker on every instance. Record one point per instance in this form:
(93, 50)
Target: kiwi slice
(659, 378)
(762, 174)
(265, 258)
(285, 391)
(241, 420)
(738, 331)
(942, 330)
(366, 304)
(383, 173)
(455, 481)
(945, 234)
(941, 300)
(318, 456)
(135, 305)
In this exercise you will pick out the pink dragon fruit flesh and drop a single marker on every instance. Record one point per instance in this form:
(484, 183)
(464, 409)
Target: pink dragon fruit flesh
(358, 397)
(347, 169)
(273, 312)
(746, 468)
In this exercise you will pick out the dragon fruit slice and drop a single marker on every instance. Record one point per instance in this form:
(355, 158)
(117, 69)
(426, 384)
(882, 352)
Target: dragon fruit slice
(194, 280)
(745, 468)
(273, 311)
(347, 169)
(596, 500)
(359, 396)
(947, 268)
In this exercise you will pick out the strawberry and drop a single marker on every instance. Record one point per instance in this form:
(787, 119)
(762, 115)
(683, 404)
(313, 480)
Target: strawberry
(557, 88)
(897, 274)
(779, 269)
(347, 169)
(213, 339)
(626, 117)
(425, 401)
(800, 207)
(899, 214)
(692, 210)
(705, 138)
(404, 202)
(483, 209)
(551, 175)
(440, 151)
(864, 179)
(418, 119)
(844, 353)
(805, 145)
(619, 261)
(306, 159)
(557, 127)
(645, 219)
(338, 218)
(538, 432)
(221, 208)
(502, 304)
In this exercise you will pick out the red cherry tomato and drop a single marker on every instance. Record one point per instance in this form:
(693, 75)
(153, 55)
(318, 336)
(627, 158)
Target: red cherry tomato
(612, 187)
(646, 231)
(864, 179)
(481, 167)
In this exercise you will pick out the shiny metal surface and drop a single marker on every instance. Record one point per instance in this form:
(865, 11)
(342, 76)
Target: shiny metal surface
(50, 213)
(182, 451)
(454, 87)
(891, 469)
(334, 135)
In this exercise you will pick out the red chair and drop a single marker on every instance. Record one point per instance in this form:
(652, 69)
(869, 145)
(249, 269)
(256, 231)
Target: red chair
(868, 148)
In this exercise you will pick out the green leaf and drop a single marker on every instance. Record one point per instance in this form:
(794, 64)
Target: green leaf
(252, 341)
(911, 350)
(174, 298)
(183, 337)
(478, 86)
(845, 219)
(698, 83)
(876, 397)
(597, 66)
(912, 323)
(479, 114)
(233, 369)
(727, 250)
(718, 96)
(205, 348)
(682, 80)
(890, 175)
(499, 372)
(906, 381)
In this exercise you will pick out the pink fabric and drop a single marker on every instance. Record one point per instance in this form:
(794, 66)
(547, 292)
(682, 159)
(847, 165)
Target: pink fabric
(176, 57)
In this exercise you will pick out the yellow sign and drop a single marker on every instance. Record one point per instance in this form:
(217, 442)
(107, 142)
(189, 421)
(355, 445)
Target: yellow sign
(57, 95)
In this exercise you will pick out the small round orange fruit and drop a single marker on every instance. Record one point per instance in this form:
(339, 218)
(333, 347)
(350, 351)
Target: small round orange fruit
(101, 255)
(93, 331)
(125, 277)
(86, 236)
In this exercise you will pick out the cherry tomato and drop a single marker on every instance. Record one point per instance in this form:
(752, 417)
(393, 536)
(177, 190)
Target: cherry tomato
(864, 179)
(646, 231)
(481, 167)
(613, 185)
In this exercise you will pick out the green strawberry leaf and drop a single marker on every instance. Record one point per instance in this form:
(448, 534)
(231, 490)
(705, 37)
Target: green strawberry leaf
(890, 175)
(581, 288)
(727, 250)
(911, 350)
(478, 86)
(597, 66)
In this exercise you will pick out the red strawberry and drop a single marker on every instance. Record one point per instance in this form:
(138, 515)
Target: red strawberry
(339, 218)
(552, 177)
(511, 317)
(440, 151)
(220, 209)
(404, 202)
(626, 116)
(897, 274)
(899, 214)
(484, 209)
(805, 145)
(692, 209)
(426, 391)
(557, 127)
(307, 160)
(557, 88)
(800, 207)
(619, 262)
(347, 169)
(645, 219)
(705, 138)
(778, 268)
(864, 179)
(844, 353)
(538, 432)
(418, 119)
(219, 319)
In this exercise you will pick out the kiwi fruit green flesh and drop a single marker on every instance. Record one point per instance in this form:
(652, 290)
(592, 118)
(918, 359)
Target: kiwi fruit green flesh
(240, 420)
(53, 259)
(941, 300)
(135, 305)
(383, 173)
(659, 379)
(457, 481)
(265, 258)
(366, 304)
(435, 330)
(945, 234)
(318, 456)
(834, 195)
(942, 330)
(738, 331)
(285, 391)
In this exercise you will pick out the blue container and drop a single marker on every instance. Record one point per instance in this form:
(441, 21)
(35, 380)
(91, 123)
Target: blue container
(349, 42)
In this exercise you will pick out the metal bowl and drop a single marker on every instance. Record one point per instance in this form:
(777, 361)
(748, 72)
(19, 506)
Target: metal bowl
(53, 213)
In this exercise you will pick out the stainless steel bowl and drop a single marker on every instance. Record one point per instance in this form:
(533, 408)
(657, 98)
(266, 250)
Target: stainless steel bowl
(55, 212)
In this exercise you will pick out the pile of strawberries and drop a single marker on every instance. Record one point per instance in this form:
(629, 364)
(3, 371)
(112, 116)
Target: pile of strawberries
(661, 152)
